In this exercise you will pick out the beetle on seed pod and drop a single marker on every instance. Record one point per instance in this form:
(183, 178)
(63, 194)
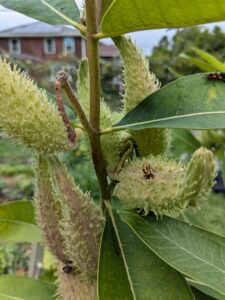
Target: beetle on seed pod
(171, 186)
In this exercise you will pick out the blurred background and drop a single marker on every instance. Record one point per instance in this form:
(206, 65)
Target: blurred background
(41, 50)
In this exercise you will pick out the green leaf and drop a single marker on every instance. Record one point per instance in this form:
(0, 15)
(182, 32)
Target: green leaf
(205, 67)
(193, 251)
(113, 282)
(22, 211)
(129, 270)
(216, 64)
(18, 232)
(199, 295)
(105, 6)
(206, 290)
(183, 142)
(211, 215)
(125, 15)
(38, 10)
(5, 297)
(191, 102)
(26, 288)
(17, 224)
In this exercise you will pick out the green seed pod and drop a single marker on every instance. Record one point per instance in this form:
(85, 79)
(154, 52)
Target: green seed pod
(199, 178)
(152, 141)
(150, 193)
(139, 83)
(27, 116)
(48, 210)
(71, 286)
(82, 223)
(161, 185)
(111, 143)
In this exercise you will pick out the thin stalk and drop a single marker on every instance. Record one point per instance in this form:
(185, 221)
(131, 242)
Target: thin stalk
(94, 77)
(111, 130)
(62, 80)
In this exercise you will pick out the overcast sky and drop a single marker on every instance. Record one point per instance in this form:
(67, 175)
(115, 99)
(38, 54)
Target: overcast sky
(144, 39)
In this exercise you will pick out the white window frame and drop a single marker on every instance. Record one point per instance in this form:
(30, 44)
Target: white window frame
(46, 50)
(11, 50)
(65, 48)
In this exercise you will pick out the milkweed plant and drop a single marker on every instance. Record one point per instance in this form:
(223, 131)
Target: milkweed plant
(133, 245)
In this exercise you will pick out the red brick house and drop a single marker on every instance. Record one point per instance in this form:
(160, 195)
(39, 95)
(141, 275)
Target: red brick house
(39, 42)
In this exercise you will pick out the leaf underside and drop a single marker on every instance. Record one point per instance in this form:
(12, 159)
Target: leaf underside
(38, 10)
(196, 253)
(123, 16)
(129, 270)
(25, 288)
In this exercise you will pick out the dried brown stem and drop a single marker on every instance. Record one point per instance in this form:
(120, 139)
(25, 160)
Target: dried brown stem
(61, 109)
(63, 78)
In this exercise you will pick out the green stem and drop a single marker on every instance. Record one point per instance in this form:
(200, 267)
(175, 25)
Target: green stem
(111, 130)
(94, 77)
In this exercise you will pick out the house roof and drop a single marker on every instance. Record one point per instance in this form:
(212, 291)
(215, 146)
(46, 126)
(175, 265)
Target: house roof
(108, 50)
(39, 29)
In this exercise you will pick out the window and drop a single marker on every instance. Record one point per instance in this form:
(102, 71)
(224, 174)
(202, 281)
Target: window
(14, 46)
(69, 45)
(49, 46)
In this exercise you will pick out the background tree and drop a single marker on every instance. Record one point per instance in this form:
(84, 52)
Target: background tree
(165, 59)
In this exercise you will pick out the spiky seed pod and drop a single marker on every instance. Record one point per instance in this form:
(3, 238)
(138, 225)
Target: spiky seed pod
(154, 194)
(48, 210)
(199, 178)
(139, 83)
(26, 115)
(111, 143)
(82, 223)
(168, 185)
(71, 286)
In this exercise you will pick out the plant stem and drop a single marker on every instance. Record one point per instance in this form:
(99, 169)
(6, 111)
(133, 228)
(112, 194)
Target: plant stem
(111, 130)
(94, 77)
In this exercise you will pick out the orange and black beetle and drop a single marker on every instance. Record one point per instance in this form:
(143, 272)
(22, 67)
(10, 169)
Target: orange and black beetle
(148, 171)
(216, 76)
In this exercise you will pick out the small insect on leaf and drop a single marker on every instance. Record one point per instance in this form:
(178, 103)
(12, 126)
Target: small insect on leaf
(148, 171)
(216, 76)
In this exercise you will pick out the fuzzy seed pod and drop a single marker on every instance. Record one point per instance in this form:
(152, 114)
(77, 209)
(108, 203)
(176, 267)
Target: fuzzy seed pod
(161, 185)
(48, 210)
(82, 223)
(71, 286)
(139, 83)
(199, 178)
(26, 115)
(156, 193)
(111, 143)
